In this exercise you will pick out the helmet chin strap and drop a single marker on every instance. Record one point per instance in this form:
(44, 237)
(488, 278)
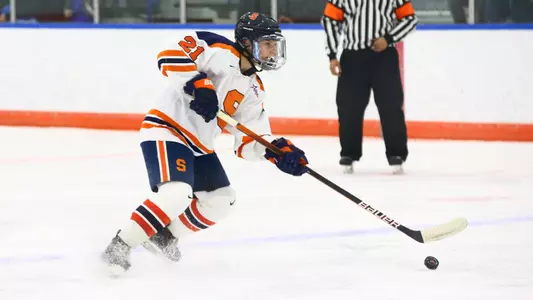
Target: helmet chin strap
(248, 56)
(251, 71)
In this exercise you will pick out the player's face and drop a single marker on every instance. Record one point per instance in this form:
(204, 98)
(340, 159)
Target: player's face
(268, 49)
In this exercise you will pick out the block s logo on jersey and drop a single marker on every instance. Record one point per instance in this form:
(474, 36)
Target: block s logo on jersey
(181, 165)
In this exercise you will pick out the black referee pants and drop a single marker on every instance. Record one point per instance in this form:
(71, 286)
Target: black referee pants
(362, 71)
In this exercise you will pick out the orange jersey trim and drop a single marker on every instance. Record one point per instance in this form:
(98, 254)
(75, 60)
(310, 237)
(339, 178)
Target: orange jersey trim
(191, 136)
(404, 11)
(174, 68)
(178, 53)
(261, 86)
(227, 47)
(333, 12)
(149, 126)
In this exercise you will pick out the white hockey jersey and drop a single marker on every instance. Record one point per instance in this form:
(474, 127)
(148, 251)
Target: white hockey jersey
(240, 96)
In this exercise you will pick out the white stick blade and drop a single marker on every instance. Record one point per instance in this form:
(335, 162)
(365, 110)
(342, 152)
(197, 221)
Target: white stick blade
(445, 230)
(226, 118)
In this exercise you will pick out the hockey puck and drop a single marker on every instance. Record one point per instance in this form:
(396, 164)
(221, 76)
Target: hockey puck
(431, 262)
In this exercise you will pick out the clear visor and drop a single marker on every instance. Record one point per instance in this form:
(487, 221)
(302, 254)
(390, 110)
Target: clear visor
(269, 52)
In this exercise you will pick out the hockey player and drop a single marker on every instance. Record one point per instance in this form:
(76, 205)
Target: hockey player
(205, 72)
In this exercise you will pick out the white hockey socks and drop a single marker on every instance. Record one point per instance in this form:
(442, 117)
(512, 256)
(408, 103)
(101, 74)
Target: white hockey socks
(155, 213)
(204, 211)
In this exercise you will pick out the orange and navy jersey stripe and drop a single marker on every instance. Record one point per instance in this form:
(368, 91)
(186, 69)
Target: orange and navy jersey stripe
(162, 155)
(175, 61)
(157, 119)
(150, 218)
(193, 219)
(214, 40)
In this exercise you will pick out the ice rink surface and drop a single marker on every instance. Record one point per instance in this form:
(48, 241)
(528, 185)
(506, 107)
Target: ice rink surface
(65, 192)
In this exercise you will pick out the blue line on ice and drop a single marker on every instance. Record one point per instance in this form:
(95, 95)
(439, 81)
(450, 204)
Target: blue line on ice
(356, 232)
(274, 239)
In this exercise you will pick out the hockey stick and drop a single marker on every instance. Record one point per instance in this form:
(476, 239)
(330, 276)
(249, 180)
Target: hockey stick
(431, 234)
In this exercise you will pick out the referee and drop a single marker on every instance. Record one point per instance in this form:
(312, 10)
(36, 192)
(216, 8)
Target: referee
(369, 61)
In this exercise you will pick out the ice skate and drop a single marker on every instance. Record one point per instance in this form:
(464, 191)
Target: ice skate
(346, 164)
(164, 244)
(117, 256)
(396, 164)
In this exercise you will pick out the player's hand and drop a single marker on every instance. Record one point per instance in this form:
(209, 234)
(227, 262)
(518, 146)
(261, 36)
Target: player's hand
(335, 67)
(380, 44)
(292, 162)
(205, 101)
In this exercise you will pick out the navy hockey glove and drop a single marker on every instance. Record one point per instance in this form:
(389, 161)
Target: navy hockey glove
(205, 101)
(292, 162)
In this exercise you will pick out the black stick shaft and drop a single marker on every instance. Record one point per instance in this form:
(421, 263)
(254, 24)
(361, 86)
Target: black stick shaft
(416, 235)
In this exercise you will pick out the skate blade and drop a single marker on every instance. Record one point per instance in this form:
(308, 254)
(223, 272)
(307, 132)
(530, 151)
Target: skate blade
(152, 249)
(114, 271)
(397, 170)
(157, 252)
(347, 169)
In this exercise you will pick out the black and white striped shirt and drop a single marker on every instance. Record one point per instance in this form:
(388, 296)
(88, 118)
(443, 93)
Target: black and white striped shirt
(360, 22)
